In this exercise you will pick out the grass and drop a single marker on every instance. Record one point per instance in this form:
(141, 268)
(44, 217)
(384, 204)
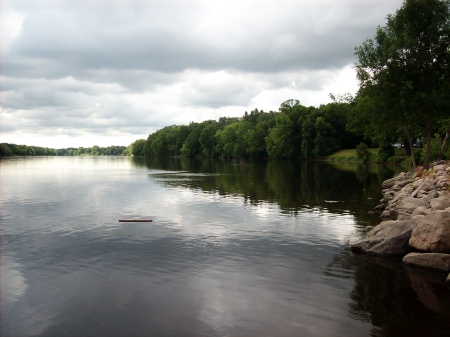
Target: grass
(399, 157)
(349, 155)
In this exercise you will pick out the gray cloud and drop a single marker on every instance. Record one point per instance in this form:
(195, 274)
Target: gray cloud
(147, 64)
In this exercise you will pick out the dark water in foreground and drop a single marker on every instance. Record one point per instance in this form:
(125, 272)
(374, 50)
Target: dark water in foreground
(259, 250)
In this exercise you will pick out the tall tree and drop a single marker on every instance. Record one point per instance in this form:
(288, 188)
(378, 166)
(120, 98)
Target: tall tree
(404, 72)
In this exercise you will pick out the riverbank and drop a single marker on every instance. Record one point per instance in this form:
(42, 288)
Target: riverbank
(345, 155)
(415, 213)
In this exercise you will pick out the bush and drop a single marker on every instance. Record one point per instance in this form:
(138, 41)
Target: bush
(385, 151)
(435, 148)
(419, 155)
(362, 151)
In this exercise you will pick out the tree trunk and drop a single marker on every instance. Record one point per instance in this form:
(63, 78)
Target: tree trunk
(407, 146)
(444, 141)
(426, 164)
(413, 159)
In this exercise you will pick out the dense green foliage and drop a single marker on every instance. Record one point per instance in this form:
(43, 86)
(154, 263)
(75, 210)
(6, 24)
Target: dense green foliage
(385, 151)
(404, 76)
(295, 131)
(24, 150)
(95, 150)
(137, 148)
(363, 153)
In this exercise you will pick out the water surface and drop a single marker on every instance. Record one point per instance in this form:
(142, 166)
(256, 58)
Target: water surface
(255, 250)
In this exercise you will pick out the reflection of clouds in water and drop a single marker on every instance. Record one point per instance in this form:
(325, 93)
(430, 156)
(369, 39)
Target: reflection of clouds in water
(285, 297)
(13, 287)
(265, 211)
(13, 284)
(189, 207)
(338, 226)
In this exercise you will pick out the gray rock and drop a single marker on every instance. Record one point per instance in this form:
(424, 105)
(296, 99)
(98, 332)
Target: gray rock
(380, 207)
(403, 216)
(393, 245)
(416, 183)
(439, 203)
(409, 204)
(388, 183)
(432, 233)
(421, 211)
(439, 168)
(435, 261)
(388, 238)
(433, 194)
(448, 280)
(426, 186)
(403, 183)
(385, 215)
(389, 194)
(393, 214)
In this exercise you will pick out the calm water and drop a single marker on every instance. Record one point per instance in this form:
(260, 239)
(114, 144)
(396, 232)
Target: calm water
(258, 250)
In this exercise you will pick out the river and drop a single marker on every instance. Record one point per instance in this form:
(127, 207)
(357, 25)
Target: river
(260, 249)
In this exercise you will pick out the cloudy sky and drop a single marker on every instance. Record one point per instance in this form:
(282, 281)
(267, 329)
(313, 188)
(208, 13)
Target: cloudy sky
(108, 72)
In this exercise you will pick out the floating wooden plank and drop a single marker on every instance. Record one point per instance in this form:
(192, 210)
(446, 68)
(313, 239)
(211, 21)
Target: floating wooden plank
(135, 220)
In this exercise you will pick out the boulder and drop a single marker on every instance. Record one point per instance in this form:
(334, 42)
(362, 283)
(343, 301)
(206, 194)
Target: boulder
(388, 183)
(439, 168)
(404, 216)
(388, 238)
(448, 280)
(380, 207)
(424, 187)
(385, 215)
(439, 203)
(421, 211)
(432, 233)
(391, 182)
(435, 261)
(409, 204)
(433, 194)
(403, 183)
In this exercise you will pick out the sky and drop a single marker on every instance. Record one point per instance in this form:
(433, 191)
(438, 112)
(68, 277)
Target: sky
(108, 72)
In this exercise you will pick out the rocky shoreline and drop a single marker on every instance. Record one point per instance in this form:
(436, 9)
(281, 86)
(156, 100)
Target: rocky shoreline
(415, 213)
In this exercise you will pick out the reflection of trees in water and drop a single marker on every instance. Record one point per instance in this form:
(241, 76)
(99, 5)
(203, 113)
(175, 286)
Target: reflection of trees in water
(395, 301)
(293, 185)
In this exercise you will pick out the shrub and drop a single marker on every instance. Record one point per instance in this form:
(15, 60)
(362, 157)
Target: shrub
(419, 155)
(362, 151)
(385, 151)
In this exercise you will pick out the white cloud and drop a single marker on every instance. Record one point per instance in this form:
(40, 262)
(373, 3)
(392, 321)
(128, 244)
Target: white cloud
(86, 72)
(10, 25)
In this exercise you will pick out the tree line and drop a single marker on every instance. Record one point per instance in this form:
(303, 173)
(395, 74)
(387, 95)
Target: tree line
(295, 131)
(7, 149)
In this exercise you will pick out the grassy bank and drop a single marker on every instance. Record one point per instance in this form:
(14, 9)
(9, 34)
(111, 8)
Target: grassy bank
(399, 157)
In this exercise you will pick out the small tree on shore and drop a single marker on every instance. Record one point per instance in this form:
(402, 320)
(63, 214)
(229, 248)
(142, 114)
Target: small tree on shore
(363, 153)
